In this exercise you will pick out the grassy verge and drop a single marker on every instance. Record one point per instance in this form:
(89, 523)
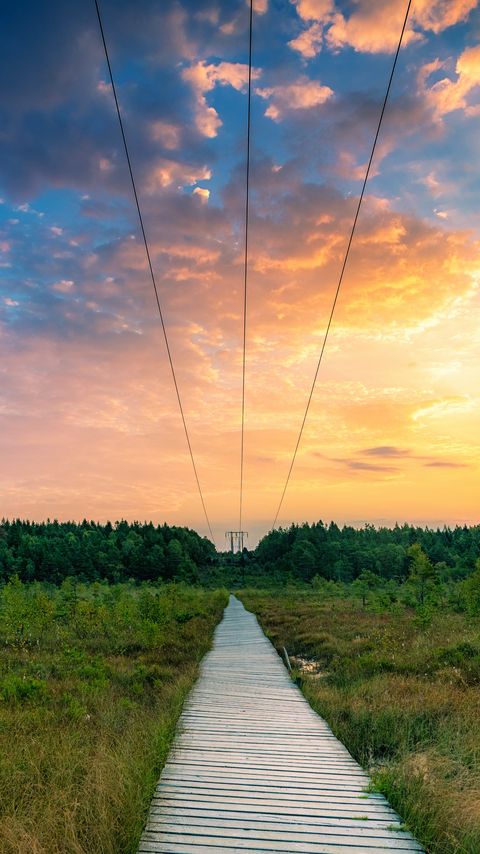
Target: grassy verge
(403, 697)
(92, 680)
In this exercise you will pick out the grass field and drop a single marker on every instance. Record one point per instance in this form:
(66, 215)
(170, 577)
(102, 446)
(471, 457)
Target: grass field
(92, 680)
(402, 693)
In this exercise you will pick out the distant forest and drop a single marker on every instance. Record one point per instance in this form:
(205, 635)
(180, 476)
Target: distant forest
(343, 554)
(52, 551)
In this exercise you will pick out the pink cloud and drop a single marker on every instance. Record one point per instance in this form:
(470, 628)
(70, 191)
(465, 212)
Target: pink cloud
(203, 77)
(105, 165)
(315, 10)
(64, 286)
(104, 88)
(371, 28)
(166, 133)
(309, 42)
(259, 6)
(304, 94)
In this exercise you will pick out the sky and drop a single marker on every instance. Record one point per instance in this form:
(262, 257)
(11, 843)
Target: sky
(89, 419)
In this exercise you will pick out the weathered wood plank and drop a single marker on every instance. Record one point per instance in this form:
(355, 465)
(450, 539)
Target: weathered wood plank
(253, 768)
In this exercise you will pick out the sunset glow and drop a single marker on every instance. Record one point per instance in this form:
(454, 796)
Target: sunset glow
(89, 419)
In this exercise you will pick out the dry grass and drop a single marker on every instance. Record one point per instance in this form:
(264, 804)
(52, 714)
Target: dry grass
(404, 699)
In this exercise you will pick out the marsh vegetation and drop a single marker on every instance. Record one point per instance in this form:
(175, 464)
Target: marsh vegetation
(102, 628)
(398, 680)
(92, 680)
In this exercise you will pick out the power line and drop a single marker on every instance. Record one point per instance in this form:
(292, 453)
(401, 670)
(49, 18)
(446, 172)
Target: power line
(347, 253)
(152, 275)
(245, 266)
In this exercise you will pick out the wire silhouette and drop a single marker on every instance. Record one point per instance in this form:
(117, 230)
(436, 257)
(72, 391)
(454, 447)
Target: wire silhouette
(347, 253)
(150, 266)
(245, 266)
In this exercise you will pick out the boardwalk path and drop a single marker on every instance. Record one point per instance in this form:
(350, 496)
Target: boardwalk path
(255, 769)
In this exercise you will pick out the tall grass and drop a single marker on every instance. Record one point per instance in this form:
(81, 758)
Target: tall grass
(92, 680)
(403, 696)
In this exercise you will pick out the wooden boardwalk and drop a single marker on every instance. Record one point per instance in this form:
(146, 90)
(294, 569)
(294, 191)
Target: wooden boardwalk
(255, 769)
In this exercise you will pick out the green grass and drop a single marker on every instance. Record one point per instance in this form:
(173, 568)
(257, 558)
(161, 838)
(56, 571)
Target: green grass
(92, 680)
(402, 696)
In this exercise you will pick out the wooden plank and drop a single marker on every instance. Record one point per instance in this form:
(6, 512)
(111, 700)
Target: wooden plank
(154, 842)
(253, 768)
(189, 819)
(262, 786)
(265, 819)
(277, 834)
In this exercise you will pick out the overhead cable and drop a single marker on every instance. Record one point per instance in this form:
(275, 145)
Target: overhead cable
(344, 264)
(245, 262)
(152, 274)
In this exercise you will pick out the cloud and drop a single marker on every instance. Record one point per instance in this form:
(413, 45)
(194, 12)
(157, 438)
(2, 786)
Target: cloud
(433, 184)
(166, 133)
(167, 172)
(202, 193)
(447, 95)
(203, 77)
(359, 465)
(315, 10)
(386, 451)
(373, 26)
(67, 107)
(303, 94)
(445, 464)
(438, 15)
(309, 42)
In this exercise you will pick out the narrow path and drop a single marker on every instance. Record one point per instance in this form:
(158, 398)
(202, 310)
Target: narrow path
(254, 768)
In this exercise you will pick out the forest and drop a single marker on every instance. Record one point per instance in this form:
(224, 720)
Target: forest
(52, 551)
(301, 554)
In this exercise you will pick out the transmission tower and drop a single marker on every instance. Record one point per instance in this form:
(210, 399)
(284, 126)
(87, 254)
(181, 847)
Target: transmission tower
(236, 540)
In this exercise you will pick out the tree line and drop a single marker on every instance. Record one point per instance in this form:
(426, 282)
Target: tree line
(303, 552)
(52, 551)
(89, 551)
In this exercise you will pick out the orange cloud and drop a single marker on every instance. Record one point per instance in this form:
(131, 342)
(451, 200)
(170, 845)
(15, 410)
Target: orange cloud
(447, 95)
(203, 194)
(439, 15)
(373, 26)
(168, 172)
